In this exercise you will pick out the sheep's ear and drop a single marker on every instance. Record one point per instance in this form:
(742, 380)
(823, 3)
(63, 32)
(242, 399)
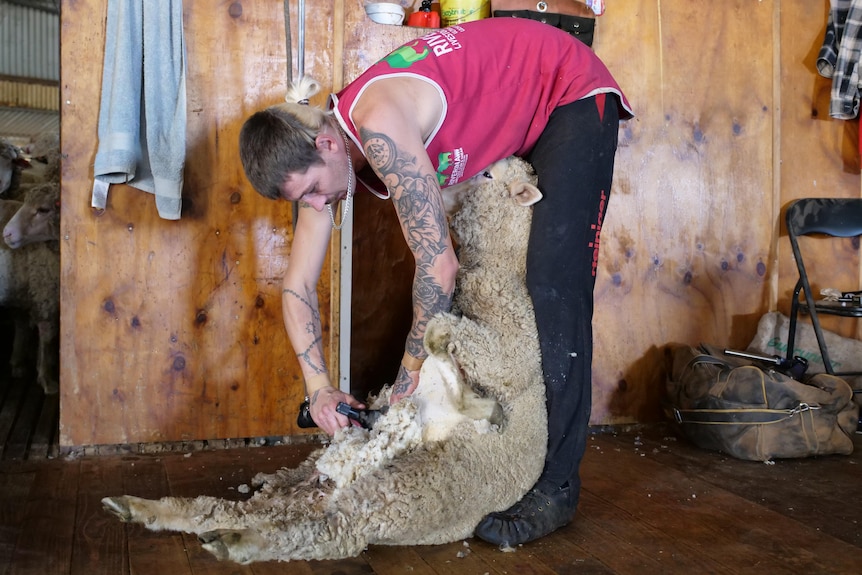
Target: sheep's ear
(524, 193)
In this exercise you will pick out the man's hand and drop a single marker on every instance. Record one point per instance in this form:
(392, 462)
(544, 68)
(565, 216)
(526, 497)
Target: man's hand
(322, 404)
(405, 384)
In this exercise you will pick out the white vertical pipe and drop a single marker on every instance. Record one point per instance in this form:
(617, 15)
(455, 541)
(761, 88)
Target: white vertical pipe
(300, 58)
(346, 295)
(346, 254)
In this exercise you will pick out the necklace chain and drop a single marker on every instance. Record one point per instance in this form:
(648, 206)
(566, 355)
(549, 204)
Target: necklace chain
(345, 207)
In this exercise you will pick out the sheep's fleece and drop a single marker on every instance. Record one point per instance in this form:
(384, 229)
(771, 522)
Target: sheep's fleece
(469, 441)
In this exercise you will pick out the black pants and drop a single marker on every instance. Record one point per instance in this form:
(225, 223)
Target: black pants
(574, 160)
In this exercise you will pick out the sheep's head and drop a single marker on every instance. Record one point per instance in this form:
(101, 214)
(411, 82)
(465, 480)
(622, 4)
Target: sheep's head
(492, 215)
(45, 149)
(12, 161)
(38, 220)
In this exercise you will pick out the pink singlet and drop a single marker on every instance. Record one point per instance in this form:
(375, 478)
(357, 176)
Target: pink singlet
(499, 80)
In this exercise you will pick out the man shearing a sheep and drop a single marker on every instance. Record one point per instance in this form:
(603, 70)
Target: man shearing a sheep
(433, 113)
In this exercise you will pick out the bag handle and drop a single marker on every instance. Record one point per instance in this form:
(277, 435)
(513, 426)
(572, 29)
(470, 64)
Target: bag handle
(739, 416)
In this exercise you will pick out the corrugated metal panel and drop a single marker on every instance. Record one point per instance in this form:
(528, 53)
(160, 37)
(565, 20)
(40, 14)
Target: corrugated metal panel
(36, 96)
(52, 6)
(29, 42)
(21, 126)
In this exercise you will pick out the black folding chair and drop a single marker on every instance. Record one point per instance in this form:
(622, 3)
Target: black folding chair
(824, 218)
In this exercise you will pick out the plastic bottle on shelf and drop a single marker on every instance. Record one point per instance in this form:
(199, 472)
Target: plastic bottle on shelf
(425, 17)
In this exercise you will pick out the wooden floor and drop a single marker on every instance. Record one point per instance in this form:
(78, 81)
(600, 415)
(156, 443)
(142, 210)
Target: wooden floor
(28, 418)
(651, 503)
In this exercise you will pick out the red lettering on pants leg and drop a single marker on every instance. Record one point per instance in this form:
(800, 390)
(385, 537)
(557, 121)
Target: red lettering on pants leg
(597, 228)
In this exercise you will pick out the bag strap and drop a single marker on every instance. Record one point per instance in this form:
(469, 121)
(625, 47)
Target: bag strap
(739, 416)
(703, 358)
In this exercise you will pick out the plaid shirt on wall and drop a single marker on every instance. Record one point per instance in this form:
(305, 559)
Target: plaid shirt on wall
(839, 56)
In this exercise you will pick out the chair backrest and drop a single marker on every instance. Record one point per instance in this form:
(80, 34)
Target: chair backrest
(840, 217)
(835, 217)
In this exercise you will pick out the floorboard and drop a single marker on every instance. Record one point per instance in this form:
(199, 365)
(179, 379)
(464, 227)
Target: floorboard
(714, 521)
(45, 542)
(100, 541)
(18, 441)
(46, 430)
(651, 503)
(29, 420)
(385, 560)
(151, 552)
(15, 489)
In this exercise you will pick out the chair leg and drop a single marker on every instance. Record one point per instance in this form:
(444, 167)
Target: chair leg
(794, 314)
(821, 341)
(818, 331)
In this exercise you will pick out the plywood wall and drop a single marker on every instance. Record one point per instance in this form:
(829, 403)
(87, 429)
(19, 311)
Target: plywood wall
(172, 330)
(819, 155)
(687, 240)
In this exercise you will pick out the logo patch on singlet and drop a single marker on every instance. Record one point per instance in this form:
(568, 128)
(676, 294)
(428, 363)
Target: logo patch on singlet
(444, 160)
(452, 162)
(405, 56)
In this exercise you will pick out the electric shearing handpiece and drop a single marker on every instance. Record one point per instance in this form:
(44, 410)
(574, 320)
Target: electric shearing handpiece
(364, 417)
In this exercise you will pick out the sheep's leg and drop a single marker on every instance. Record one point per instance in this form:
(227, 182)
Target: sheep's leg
(47, 364)
(22, 344)
(241, 546)
(197, 515)
(469, 345)
(333, 536)
(270, 525)
(286, 478)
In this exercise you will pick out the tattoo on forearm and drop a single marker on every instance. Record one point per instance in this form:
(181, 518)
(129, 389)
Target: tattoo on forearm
(419, 204)
(315, 314)
(311, 355)
(402, 382)
(314, 396)
(429, 299)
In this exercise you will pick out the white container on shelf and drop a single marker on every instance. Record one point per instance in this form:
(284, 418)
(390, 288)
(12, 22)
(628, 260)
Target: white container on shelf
(385, 13)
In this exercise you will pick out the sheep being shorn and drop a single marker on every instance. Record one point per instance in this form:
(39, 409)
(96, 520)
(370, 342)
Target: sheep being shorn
(30, 280)
(469, 441)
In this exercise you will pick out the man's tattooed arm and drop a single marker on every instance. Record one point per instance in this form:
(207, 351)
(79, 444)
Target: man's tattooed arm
(418, 202)
(307, 343)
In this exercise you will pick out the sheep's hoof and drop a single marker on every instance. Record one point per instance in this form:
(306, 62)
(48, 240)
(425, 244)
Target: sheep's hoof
(119, 507)
(224, 544)
(212, 542)
(50, 387)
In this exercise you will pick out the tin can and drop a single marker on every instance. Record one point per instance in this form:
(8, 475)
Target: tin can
(459, 11)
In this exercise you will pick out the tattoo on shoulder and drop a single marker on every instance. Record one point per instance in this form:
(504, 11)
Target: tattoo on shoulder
(416, 195)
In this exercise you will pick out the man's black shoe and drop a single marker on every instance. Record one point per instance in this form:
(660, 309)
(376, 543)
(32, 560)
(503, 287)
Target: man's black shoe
(534, 516)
